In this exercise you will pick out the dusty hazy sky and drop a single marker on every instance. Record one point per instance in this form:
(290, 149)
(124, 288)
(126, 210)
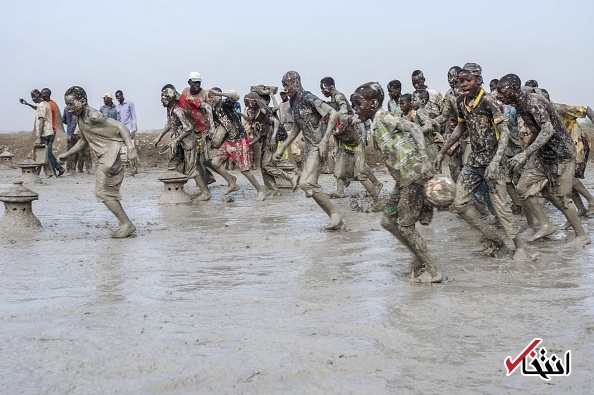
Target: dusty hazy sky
(138, 46)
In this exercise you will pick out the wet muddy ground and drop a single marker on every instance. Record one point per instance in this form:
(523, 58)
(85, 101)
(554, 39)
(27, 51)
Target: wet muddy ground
(250, 297)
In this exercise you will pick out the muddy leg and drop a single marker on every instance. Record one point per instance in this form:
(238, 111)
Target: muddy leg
(252, 179)
(330, 209)
(582, 190)
(126, 226)
(231, 180)
(581, 238)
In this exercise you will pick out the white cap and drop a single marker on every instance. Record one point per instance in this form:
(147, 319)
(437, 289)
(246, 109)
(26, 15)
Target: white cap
(107, 95)
(194, 76)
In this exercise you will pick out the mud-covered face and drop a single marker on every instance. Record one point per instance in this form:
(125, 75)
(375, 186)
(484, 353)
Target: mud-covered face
(469, 84)
(73, 105)
(214, 99)
(364, 108)
(492, 86)
(291, 86)
(251, 104)
(167, 97)
(36, 98)
(507, 94)
(452, 78)
(405, 106)
(326, 89)
(394, 92)
(195, 87)
(284, 97)
(418, 82)
(417, 102)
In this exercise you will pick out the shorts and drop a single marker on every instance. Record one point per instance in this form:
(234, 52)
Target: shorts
(408, 203)
(555, 179)
(108, 180)
(238, 152)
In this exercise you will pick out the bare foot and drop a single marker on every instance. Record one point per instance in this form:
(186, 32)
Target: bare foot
(341, 227)
(232, 188)
(578, 243)
(123, 231)
(427, 277)
(203, 197)
(520, 255)
(336, 219)
(528, 232)
(589, 211)
(294, 182)
(565, 226)
(543, 232)
(336, 195)
(261, 196)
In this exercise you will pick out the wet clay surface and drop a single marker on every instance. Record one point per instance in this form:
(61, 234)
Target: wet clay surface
(246, 296)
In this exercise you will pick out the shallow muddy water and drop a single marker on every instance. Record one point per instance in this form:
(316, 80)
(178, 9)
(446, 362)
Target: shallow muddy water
(250, 297)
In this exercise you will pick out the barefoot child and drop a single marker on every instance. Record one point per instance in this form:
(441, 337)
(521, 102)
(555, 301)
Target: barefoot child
(105, 137)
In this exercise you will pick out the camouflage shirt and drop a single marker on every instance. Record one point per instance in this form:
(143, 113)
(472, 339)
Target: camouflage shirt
(536, 110)
(397, 147)
(308, 111)
(435, 102)
(449, 107)
(394, 107)
(481, 116)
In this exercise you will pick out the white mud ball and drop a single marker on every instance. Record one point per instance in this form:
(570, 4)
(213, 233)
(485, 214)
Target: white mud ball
(440, 191)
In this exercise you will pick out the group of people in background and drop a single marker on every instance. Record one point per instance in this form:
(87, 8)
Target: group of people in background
(512, 141)
(47, 113)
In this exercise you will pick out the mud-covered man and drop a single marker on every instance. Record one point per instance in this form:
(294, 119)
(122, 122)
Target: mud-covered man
(348, 148)
(478, 113)
(236, 145)
(308, 112)
(449, 117)
(182, 146)
(105, 137)
(430, 128)
(394, 92)
(548, 159)
(403, 148)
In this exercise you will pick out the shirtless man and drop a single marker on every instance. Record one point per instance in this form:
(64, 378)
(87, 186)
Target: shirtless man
(548, 160)
(349, 152)
(478, 113)
(105, 137)
(183, 146)
(265, 125)
(236, 145)
(403, 148)
(308, 111)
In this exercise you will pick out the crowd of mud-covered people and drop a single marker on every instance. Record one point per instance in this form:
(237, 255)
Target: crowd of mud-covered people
(512, 141)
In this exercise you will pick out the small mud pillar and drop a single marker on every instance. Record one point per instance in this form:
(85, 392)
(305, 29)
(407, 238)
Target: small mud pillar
(288, 168)
(30, 171)
(6, 160)
(18, 212)
(173, 183)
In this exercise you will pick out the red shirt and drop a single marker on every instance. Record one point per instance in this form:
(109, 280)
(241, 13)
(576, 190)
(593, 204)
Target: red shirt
(198, 115)
(54, 108)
